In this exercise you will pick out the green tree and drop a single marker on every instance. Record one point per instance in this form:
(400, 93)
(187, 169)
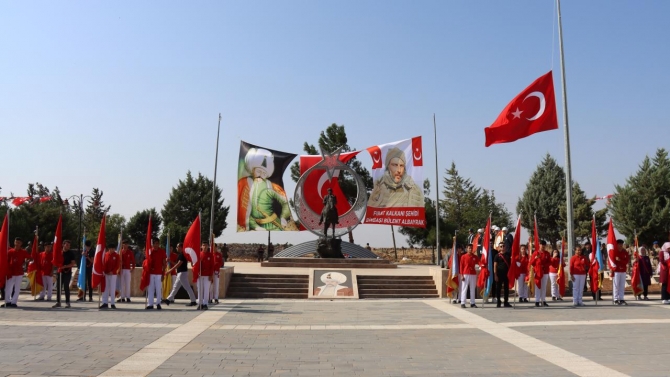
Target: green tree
(460, 198)
(136, 228)
(40, 213)
(93, 213)
(426, 237)
(544, 196)
(643, 203)
(468, 206)
(114, 224)
(583, 215)
(186, 200)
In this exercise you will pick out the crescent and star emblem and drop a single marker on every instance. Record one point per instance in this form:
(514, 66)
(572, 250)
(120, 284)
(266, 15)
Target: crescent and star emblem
(376, 160)
(543, 104)
(420, 154)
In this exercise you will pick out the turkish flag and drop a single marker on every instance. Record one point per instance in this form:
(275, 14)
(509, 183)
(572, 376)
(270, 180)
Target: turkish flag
(192, 245)
(417, 152)
(97, 275)
(611, 246)
(57, 258)
(530, 112)
(376, 154)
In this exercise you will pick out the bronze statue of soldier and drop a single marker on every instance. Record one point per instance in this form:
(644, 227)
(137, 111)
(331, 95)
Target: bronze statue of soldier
(329, 216)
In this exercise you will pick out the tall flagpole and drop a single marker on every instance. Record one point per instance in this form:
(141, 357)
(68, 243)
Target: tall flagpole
(568, 167)
(216, 161)
(437, 198)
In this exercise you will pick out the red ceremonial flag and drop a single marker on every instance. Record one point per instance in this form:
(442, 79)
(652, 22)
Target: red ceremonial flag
(57, 257)
(35, 268)
(514, 269)
(595, 266)
(530, 112)
(147, 243)
(146, 265)
(97, 275)
(4, 246)
(145, 278)
(611, 249)
(192, 245)
(483, 261)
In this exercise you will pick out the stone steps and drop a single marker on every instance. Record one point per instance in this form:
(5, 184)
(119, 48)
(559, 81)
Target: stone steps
(268, 286)
(396, 287)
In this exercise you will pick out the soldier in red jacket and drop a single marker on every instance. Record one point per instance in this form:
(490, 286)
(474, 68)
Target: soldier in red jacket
(619, 268)
(205, 278)
(218, 263)
(16, 258)
(579, 265)
(540, 261)
(553, 276)
(468, 273)
(523, 272)
(47, 267)
(111, 264)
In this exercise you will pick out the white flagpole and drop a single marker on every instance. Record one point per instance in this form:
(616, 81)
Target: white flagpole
(568, 168)
(437, 198)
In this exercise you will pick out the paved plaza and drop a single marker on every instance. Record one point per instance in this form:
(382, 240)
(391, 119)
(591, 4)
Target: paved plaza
(336, 338)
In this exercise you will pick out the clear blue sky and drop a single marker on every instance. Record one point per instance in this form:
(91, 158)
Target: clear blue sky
(125, 96)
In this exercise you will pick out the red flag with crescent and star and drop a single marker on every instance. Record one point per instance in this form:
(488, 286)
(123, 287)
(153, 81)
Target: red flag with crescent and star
(531, 111)
(192, 247)
(57, 258)
(98, 273)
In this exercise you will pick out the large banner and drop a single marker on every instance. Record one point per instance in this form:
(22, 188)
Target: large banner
(317, 184)
(261, 199)
(396, 198)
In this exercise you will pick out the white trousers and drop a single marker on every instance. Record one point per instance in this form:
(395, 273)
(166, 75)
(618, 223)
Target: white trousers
(181, 281)
(13, 283)
(578, 288)
(619, 284)
(125, 284)
(541, 292)
(214, 291)
(554, 284)
(468, 283)
(521, 286)
(47, 287)
(110, 289)
(203, 290)
(155, 288)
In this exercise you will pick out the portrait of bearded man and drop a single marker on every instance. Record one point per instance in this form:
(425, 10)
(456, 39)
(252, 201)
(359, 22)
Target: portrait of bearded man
(396, 188)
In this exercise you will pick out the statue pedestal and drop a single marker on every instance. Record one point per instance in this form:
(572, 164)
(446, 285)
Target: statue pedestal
(329, 248)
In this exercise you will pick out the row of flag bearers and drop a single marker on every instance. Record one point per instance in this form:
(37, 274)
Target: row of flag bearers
(505, 264)
(112, 262)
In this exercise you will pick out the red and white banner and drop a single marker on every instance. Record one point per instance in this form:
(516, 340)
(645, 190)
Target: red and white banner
(397, 195)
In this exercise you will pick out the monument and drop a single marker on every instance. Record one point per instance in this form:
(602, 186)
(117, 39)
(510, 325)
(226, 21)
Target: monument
(329, 244)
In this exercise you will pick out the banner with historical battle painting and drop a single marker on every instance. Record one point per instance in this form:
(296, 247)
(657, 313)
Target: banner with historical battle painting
(397, 195)
(262, 203)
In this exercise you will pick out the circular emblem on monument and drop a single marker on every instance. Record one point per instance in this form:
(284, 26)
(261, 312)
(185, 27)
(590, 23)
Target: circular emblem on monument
(314, 219)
